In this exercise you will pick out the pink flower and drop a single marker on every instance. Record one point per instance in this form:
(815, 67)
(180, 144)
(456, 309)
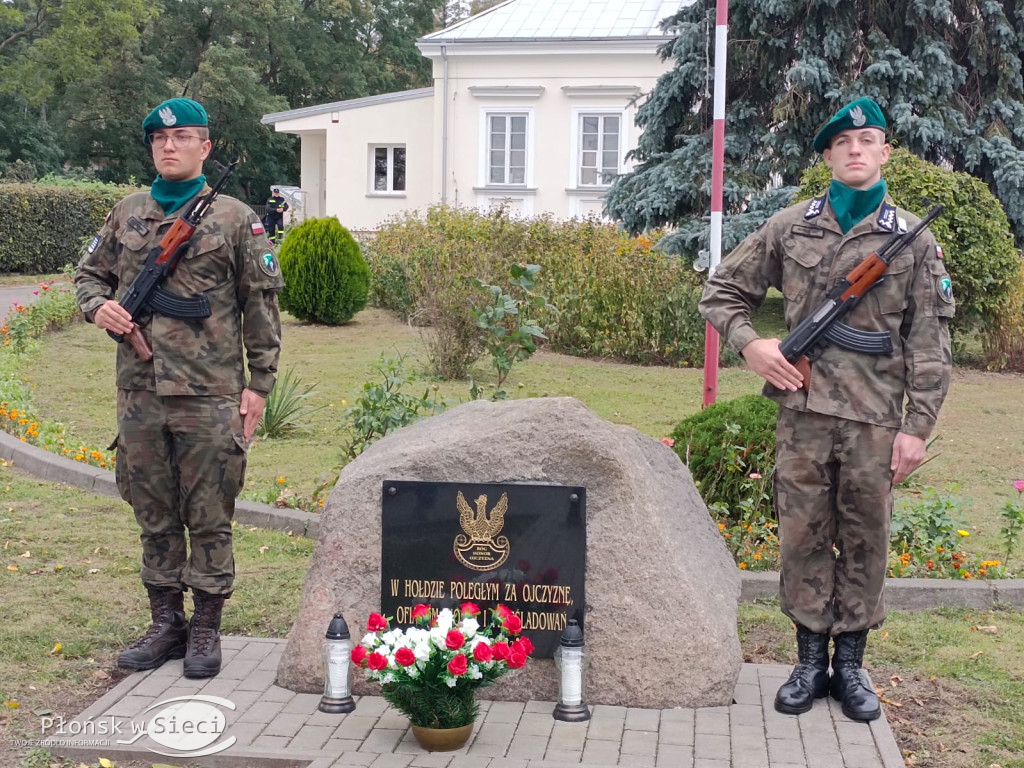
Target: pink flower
(755, 475)
(458, 665)
(405, 657)
(1019, 485)
(376, 623)
(668, 441)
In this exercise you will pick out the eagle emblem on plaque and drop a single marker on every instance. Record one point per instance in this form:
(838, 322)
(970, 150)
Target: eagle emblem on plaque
(479, 546)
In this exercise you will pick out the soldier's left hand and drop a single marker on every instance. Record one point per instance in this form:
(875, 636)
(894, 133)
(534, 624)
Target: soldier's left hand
(251, 410)
(907, 455)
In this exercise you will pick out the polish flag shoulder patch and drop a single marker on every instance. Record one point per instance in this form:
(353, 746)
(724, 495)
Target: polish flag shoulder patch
(257, 228)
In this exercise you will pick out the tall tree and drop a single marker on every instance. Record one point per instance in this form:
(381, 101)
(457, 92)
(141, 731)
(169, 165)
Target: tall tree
(946, 72)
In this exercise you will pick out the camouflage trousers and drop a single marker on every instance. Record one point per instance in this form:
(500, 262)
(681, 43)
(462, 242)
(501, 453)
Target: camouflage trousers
(833, 493)
(180, 464)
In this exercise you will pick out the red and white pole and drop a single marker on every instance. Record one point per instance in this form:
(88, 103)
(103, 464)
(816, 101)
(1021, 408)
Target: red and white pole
(711, 341)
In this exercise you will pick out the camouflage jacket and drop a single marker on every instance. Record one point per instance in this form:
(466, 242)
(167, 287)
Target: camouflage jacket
(803, 253)
(228, 262)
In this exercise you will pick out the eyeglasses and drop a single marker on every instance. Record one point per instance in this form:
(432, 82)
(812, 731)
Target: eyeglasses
(179, 140)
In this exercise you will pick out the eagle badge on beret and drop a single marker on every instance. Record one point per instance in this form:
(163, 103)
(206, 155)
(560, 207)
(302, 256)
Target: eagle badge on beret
(168, 117)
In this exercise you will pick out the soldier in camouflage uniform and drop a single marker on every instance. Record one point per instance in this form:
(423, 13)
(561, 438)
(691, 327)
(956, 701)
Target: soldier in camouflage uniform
(860, 423)
(186, 417)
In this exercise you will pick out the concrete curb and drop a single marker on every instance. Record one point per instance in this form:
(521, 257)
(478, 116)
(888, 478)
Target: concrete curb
(900, 594)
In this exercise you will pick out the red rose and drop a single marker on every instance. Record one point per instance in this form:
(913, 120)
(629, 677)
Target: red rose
(500, 651)
(405, 657)
(516, 659)
(359, 655)
(376, 661)
(482, 652)
(523, 644)
(502, 611)
(420, 611)
(454, 640)
(458, 665)
(513, 624)
(469, 609)
(376, 623)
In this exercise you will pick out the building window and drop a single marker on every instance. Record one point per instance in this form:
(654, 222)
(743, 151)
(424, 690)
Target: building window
(388, 168)
(599, 149)
(506, 148)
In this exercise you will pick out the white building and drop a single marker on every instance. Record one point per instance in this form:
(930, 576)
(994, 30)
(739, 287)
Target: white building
(533, 106)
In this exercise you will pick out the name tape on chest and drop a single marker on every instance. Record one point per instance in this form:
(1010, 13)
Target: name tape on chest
(802, 231)
(138, 226)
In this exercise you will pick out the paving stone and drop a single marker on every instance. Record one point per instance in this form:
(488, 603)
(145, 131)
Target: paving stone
(381, 740)
(538, 724)
(302, 703)
(637, 761)
(355, 726)
(260, 712)
(391, 761)
(746, 714)
(747, 758)
(606, 729)
(431, 760)
(154, 686)
(285, 725)
(748, 737)
(712, 722)
(599, 711)
(539, 707)
(222, 687)
(678, 716)
(568, 736)
(335, 746)
(850, 734)
(468, 761)
(710, 746)
(504, 712)
(703, 762)
(778, 726)
(130, 706)
(495, 733)
(393, 719)
(639, 742)
(527, 747)
(256, 681)
(255, 651)
(505, 762)
(374, 706)
(271, 742)
(487, 749)
(747, 694)
(311, 737)
(857, 756)
(354, 760)
(244, 733)
(277, 693)
(786, 751)
(748, 675)
(670, 756)
(642, 719)
(563, 755)
(676, 734)
(238, 669)
(606, 752)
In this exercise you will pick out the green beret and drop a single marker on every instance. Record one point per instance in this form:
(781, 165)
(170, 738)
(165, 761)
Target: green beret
(859, 113)
(174, 113)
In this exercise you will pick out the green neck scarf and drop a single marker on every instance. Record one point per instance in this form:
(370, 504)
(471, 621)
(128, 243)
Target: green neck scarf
(851, 205)
(171, 195)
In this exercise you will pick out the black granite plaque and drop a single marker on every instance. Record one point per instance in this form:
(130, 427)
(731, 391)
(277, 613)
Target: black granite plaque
(521, 545)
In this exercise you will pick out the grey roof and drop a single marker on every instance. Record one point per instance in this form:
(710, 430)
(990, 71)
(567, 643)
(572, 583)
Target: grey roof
(341, 106)
(563, 20)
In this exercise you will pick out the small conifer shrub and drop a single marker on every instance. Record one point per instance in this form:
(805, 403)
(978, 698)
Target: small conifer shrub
(326, 278)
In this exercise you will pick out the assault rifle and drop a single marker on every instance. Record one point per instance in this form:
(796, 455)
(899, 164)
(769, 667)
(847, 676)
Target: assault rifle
(146, 293)
(823, 324)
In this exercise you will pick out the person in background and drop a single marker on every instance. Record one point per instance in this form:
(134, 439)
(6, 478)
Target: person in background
(274, 222)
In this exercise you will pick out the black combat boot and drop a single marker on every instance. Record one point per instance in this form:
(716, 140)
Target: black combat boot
(850, 683)
(166, 637)
(809, 680)
(203, 657)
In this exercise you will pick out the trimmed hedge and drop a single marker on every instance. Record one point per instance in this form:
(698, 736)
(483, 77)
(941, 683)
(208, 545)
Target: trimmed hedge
(326, 279)
(42, 227)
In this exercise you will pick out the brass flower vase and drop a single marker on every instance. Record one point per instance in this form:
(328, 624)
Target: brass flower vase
(442, 739)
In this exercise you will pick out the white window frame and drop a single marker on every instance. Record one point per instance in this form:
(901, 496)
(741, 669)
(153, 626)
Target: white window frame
(484, 158)
(372, 171)
(576, 130)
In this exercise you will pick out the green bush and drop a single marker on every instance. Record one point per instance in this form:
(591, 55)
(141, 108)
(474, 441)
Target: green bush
(326, 278)
(43, 225)
(617, 296)
(973, 231)
(722, 459)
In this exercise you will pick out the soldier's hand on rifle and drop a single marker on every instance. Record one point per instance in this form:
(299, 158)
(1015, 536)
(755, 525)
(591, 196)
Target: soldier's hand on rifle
(907, 455)
(111, 316)
(764, 358)
(251, 410)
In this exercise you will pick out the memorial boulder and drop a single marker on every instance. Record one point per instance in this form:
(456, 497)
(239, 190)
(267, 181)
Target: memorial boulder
(659, 592)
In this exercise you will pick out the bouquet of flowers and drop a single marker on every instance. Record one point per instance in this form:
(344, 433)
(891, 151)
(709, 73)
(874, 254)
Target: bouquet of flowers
(430, 671)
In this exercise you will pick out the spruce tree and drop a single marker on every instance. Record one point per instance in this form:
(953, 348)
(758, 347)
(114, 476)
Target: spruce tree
(947, 74)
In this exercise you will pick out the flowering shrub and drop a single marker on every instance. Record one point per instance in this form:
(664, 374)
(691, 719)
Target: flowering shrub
(430, 671)
(1013, 514)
